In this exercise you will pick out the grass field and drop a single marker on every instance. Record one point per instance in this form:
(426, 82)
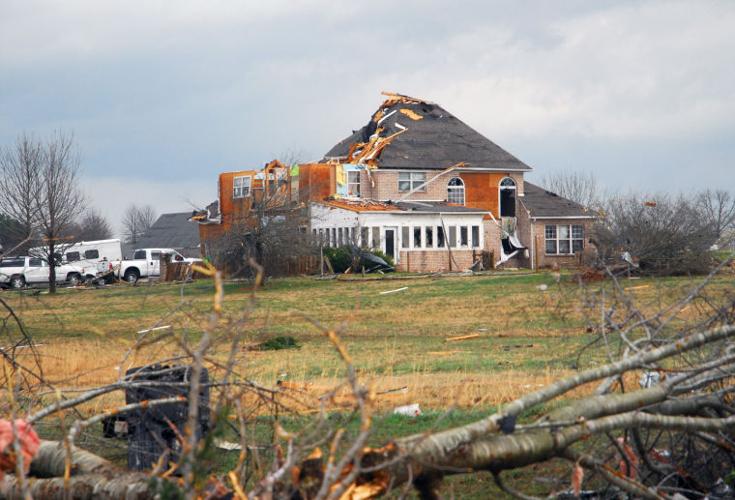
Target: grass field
(526, 336)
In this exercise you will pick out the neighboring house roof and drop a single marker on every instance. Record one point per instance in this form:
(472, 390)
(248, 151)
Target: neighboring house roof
(433, 207)
(171, 231)
(408, 133)
(545, 204)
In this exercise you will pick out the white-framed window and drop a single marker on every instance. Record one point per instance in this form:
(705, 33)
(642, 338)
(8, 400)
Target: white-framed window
(405, 237)
(475, 236)
(455, 191)
(563, 239)
(409, 181)
(241, 186)
(507, 197)
(353, 184)
(417, 237)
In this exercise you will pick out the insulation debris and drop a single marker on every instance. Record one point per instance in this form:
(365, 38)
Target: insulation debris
(413, 410)
(411, 114)
(386, 292)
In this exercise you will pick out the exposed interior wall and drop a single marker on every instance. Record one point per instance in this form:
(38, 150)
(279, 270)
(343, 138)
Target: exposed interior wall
(316, 181)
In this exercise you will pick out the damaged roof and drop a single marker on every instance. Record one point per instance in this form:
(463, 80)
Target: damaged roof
(410, 133)
(545, 204)
(430, 207)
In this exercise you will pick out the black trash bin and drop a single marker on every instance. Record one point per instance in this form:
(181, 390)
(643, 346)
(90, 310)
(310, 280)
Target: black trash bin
(150, 432)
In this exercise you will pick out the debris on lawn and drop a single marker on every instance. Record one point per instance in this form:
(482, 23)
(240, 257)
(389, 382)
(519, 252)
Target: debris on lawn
(413, 410)
(542, 287)
(386, 292)
(463, 337)
(227, 445)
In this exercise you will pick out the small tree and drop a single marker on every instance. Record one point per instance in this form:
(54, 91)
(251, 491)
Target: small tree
(137, 221)
(717, 207)
(20, 187)
(580, 187)
(94, 226)
(60, 202)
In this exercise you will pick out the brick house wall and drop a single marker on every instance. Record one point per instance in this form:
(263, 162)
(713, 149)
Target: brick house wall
(421, 261)
(542, 260)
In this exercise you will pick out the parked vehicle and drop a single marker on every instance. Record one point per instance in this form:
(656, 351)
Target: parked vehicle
(18, 272)
(146, 263)
(85, 255)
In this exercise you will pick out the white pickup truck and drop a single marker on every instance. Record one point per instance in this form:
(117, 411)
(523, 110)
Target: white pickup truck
(18, 272)
(146, 263)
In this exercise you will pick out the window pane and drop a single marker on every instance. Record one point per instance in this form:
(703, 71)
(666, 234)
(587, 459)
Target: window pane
(577, 245)
(139, 254)
(404, 186)
(155, 255)
(475, 236)
(404, 176)
(550, 232)
(453, 236)
(339, 236)
(564, 246)
(563, 232)
(405, 237)
(72, 256)
(364, 236)
(577, 231)
(334, 236)
(463, 236)
(35, 263)
(417, 179)
(429, 237)
(551, 247)
(417, 237)
(439, 236)
(91, 254)
(376, 238)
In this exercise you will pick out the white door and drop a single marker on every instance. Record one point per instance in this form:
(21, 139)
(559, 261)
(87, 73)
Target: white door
(37, 271)
(154, 263)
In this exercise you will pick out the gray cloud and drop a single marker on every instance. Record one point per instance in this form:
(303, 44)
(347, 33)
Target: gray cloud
(171, 93)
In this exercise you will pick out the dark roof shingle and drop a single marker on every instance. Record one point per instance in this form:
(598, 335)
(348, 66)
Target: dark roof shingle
(543, 203)
(433, 139)
(171, 231)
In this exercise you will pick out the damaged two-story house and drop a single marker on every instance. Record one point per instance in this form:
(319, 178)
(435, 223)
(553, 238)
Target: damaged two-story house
(428, 190)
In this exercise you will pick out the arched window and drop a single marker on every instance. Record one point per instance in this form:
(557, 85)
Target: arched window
(455, 191)
(507, 197)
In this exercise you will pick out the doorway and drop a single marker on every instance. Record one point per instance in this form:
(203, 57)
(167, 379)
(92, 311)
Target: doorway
(390, 242)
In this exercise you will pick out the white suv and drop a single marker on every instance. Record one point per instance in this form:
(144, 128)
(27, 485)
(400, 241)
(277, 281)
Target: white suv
(17, 272)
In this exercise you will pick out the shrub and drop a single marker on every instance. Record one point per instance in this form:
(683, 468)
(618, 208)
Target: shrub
(278, 343)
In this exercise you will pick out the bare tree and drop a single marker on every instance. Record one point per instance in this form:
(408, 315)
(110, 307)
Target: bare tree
(667, 235)
(60, 201)
(20, 185)
(94, 226)
(137, 221)
(718, 208)
(580, 187)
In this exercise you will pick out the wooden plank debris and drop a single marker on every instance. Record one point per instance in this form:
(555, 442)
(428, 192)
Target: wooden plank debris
(463, 337)
(386, 292)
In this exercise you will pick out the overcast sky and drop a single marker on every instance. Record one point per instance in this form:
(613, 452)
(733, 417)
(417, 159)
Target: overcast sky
(161, 96)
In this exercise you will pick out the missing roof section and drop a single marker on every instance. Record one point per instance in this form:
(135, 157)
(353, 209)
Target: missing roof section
(410, 133)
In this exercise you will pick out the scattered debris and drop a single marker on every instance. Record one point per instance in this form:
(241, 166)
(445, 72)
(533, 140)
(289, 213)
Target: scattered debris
(463, 337)
(412, 410)
(640, 287)
(386, 292)
(155, 329)
(542, 287)
(227, 445)
(402, 390)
